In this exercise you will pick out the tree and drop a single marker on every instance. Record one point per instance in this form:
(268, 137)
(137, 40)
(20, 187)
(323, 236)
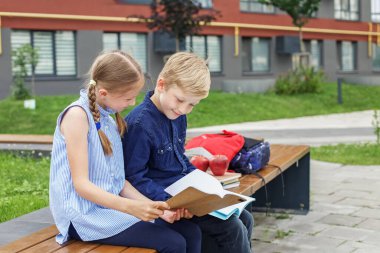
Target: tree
(299, 10)
(179, 18)
(23, 57)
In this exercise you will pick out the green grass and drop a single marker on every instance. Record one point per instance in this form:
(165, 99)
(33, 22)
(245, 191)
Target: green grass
(354, 154)
(218, 108)
(24, 184)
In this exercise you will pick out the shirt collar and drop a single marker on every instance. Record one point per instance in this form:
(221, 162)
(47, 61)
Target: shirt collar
(105, 112)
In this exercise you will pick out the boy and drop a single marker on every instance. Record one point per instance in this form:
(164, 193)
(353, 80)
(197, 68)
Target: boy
(154, 148)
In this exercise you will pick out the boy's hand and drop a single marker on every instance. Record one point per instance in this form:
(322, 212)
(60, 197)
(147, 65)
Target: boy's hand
(187, 214)
(170, 216)
(148, 210)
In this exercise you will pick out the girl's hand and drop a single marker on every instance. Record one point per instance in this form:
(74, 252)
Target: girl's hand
(147, 210)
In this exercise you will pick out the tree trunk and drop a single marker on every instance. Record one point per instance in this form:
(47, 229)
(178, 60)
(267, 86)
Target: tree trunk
(302, 46)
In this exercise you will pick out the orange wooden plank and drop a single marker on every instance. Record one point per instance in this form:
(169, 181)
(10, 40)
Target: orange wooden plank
(31, 240)
(26, 138)
(78, 247)
(49, 245)
(139, 250)
(108, 249)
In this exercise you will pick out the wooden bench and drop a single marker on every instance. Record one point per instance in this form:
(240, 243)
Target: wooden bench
(289, 191)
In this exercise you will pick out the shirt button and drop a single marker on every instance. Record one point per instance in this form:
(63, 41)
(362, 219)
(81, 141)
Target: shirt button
(179, 140)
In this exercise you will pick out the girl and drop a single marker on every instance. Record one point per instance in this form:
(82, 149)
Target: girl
(89, 197)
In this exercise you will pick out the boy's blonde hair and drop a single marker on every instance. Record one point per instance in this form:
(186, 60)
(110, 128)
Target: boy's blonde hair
(189, 72)
(116, 72)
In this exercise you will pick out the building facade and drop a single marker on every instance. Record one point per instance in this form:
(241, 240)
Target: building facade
(247, 47)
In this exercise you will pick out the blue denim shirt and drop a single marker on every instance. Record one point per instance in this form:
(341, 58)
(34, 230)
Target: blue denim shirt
(153, 147)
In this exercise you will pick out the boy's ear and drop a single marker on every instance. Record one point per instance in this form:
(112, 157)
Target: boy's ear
(160, 85)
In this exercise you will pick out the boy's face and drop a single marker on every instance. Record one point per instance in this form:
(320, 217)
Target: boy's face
(174, 102)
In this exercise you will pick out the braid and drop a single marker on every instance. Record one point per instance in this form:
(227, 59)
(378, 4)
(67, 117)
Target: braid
(106, 144)
(121, 125)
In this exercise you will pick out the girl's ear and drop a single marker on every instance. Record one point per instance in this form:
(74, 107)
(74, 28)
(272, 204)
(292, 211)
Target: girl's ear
(160, 85)
(102, 92)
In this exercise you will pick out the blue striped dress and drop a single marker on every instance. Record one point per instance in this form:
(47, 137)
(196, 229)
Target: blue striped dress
(91, 221)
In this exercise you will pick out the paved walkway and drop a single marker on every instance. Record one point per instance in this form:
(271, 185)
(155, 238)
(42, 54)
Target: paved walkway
(345, 200)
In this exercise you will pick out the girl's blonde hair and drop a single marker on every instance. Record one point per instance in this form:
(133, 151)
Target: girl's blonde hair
(114, 71)
(189, 72)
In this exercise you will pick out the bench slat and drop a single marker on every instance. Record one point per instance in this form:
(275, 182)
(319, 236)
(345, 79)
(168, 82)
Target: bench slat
(139, 250)
(78, 247)
(30, 241)
(49, 245)
(26, 138)
(108, 249)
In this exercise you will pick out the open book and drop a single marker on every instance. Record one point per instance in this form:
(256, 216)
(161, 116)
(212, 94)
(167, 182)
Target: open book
(201, 194)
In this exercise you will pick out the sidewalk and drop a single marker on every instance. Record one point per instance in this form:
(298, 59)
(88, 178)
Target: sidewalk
(345, 200)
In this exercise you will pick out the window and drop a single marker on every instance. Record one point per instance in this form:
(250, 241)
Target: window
(255, 6)
(256, 55)
(134, 1)
(376, 57)
(314, 47)
(347, 9)
(347, 55)
(205, 3)
(56, 50)
(208, 47)
(375, 11)
(132, 43)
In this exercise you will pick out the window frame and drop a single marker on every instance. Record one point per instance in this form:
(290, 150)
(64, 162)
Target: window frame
(205, 38)
(375, 48)
(54, 53)
(250, 55)
(118, 34)
(354, 56)
(349, 11)
(320, 48)
(251, 3)
(375, 15)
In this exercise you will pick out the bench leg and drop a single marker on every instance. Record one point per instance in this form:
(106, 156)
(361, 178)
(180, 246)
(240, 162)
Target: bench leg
(296, 197)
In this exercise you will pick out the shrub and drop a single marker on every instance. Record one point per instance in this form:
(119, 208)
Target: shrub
(300, 80)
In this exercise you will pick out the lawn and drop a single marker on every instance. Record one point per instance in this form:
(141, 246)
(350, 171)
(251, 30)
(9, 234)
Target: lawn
(218, 108)
(24, 184)
(354, 154)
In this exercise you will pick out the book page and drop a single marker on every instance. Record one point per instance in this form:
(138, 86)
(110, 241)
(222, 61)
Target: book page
(198, 180)
(236, 209)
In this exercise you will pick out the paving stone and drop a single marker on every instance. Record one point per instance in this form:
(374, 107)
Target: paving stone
(367, 195)
(305, 228)
(360, 202)
(264, 234)
(373, 239)
(341, 220)
(314, 242)
(326, 198)
(368, 212)
(346, 233)
(356, 247)
(334, 208)
(370, 224)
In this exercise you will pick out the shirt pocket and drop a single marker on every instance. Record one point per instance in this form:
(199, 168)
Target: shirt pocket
(164, 154)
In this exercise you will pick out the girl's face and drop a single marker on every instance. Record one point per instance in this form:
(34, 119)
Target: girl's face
(118, 101)
(174, 102)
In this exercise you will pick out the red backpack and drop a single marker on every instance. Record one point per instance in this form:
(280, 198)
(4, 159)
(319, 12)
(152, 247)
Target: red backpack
(226, 143)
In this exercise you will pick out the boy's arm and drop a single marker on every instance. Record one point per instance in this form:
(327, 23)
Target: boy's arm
(136, 150)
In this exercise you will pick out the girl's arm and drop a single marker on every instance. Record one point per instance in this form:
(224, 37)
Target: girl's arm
(74, 128)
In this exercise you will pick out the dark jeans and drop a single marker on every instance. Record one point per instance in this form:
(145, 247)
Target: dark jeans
(180, 237)
(232, 235)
